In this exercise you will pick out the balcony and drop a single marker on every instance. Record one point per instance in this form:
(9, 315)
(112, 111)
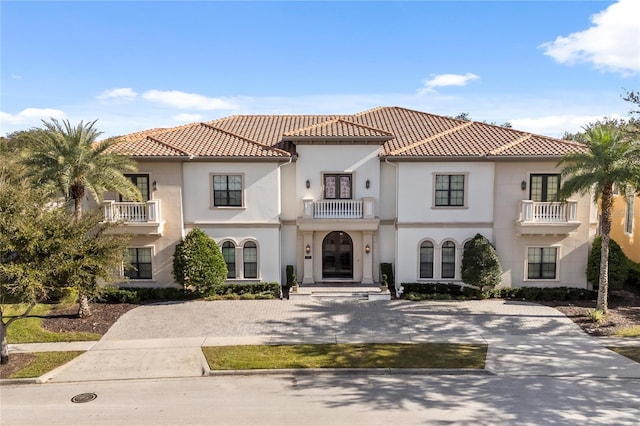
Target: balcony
(547, 218)
(138, 218)
(343, 214)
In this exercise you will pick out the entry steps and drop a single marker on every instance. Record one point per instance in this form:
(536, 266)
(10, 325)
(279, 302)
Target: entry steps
(341, 291)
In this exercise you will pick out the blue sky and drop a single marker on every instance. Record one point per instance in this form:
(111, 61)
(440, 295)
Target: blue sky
(545, 66)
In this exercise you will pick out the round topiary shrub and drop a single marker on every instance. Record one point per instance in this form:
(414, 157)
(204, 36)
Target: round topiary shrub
(480, 263)
(618, 264)
(198, 263)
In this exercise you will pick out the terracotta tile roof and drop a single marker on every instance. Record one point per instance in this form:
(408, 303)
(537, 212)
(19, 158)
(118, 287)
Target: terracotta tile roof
(406, 134)
(339, 128)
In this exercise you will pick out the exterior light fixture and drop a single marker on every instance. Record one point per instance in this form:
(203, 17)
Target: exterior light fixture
(367, 184)
(523, 185)
(367, 249)
(307, 249)
(308, 184)
(155, 185)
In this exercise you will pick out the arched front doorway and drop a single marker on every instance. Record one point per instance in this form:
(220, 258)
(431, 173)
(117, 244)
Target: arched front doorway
(337, 256)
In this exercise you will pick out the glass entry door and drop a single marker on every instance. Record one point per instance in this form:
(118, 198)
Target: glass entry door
(337, 256)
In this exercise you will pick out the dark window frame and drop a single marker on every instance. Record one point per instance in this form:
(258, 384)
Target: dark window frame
(226, 197)
(426, 267)
(338, 195)
(538, 270)
(544, 188)
(448, 268)
(134, 270)
(229, 259)
(449, 196)
(145, 191)
(253, 265)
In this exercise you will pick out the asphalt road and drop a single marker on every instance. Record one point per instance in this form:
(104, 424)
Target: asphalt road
(328, 399)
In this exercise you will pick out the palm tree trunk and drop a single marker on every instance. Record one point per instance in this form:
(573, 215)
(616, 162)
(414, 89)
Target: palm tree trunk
(84, 309)
(605, 229)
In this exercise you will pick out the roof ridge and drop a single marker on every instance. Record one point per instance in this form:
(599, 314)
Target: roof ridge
(432, 138)
(510, 144)
(282, 151)
(367, 111)
(335, 120)
(168, 145)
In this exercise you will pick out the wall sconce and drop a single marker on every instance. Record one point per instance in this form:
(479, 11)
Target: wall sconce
(308, 184)
(155, 185)
(307, 249)
(367, 249)
(523, 185)
(367, 184)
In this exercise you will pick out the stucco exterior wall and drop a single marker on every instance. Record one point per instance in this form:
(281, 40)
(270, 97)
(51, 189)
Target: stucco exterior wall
(512, 249)
(629, 242)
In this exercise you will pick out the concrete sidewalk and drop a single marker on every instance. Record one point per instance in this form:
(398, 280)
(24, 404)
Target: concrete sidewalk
(164, 340)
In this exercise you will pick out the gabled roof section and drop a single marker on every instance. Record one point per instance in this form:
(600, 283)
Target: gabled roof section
(195, 140)
(338, 128)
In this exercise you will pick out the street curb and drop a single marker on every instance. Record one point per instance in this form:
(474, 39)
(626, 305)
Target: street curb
(26, 381)
(362, 371)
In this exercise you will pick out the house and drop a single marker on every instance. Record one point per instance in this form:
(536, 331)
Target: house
(336, 195)
(625, 225)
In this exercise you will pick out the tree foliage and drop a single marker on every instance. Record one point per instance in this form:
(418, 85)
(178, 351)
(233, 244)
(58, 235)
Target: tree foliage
(611, 157)
(480, 263)
(618, 264)
(43, 248)
(198, 263)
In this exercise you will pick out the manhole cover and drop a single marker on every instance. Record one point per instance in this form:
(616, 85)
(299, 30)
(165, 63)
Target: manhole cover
(84, 397)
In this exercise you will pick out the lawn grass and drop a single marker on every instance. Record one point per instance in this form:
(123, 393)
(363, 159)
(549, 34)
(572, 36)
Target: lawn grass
(29, 329)
(631, 352)
(45, 362)
(363, 355)
(629, 332)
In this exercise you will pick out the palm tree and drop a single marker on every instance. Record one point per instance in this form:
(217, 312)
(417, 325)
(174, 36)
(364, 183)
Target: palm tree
(611, 158)
(71, 161)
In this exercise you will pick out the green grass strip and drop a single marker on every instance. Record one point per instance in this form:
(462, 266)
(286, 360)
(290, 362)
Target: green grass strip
(29, 329)
(363, 355)
(45, 362)
(629, 332)
(631, 352)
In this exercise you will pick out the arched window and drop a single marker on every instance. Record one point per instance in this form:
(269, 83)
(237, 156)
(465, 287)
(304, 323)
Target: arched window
(229, 254)
(250, 259)
(448, 259)
(426, 260)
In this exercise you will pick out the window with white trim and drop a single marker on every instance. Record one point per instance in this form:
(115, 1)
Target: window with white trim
(229, 254)
(337, 186)
(542, 263)
(544, 187)
(448, 258)
(139, 265)
(449, 190)
(227, 190)
(628, 216)
(250, 259)
(426, 259)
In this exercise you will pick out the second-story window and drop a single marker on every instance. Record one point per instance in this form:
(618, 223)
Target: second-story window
(449, 191)
(544, 187)
(142, 182)
(337, 187)
(227, 190)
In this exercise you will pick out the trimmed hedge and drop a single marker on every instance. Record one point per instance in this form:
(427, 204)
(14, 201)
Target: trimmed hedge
(387, 269)
(450, 291)
(114, 294)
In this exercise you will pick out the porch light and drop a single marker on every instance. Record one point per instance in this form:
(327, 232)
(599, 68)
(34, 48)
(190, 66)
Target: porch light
(367, 249)
(523, 185)
(307, 249)
(308, 184)
(367, 184)
(155, 185)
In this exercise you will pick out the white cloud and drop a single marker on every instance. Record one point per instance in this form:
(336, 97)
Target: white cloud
(184, 100)
(122, 93)
(611, 44)
(31, 116)
(444, 80)
(187, 118)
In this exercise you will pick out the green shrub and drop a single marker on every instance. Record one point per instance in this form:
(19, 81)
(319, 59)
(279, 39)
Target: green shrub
(618, 264)
(480, 263)
(260, 290)
(198, 263)
(633, 279)
(111, 294)
(596, 316)
(439, 291)
(387, 269)
(291, 278)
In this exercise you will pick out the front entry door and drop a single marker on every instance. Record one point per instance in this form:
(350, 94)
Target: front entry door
(337, 256)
